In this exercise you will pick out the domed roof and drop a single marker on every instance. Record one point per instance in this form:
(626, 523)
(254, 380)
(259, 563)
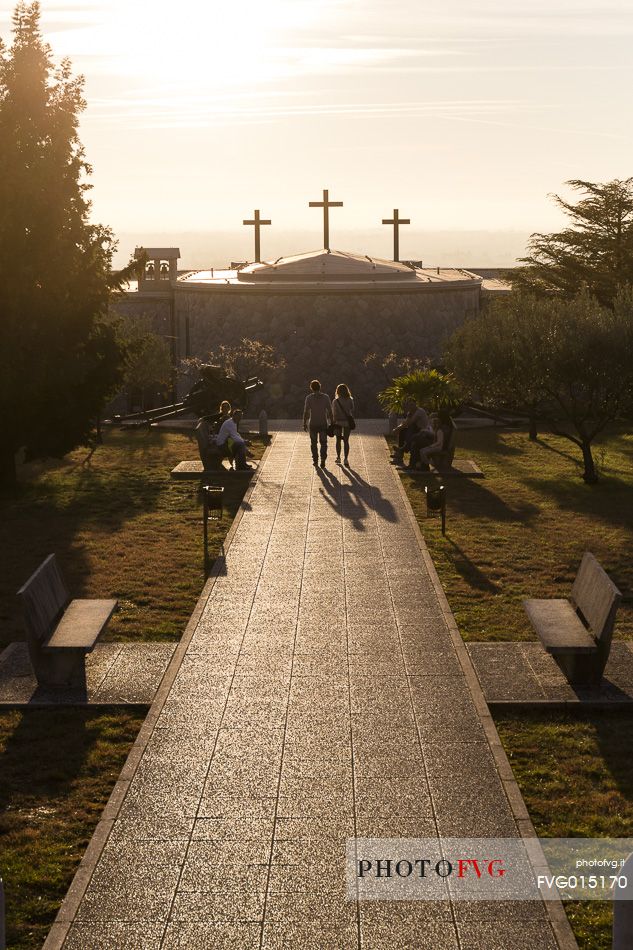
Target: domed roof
(325, 265)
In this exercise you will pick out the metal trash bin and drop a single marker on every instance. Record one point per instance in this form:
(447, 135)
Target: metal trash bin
(436, 501)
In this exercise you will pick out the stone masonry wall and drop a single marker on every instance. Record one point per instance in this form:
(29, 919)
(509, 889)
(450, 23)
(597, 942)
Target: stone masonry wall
(155, 310)
(327, 335)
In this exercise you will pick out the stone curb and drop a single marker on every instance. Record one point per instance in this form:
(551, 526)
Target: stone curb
(555, 911)
(561, 705)
(70, 905)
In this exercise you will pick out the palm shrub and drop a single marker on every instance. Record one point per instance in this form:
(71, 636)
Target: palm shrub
(429, 387)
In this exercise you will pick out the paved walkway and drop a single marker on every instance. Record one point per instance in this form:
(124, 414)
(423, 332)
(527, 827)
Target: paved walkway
(524, 674)
(322, 696)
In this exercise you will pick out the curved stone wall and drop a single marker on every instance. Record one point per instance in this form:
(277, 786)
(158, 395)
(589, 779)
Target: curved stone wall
(324, 334)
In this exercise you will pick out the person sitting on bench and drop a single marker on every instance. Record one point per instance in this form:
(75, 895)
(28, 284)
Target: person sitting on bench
(416, 423)
(423, 439)
(224, 413)
(237, 445)
(443, 428)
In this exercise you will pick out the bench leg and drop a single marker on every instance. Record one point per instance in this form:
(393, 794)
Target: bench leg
(214, 464)
(580, 669)
(61, 669)
(212, 460)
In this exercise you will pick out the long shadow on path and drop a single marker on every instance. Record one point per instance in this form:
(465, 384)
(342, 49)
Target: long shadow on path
(355, 500)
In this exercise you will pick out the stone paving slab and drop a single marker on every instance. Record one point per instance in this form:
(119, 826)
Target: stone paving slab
(193, 470)
(127, 673)
(320, 692)
(524, 673)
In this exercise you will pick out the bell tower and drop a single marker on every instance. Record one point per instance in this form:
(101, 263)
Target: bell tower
(160, 272)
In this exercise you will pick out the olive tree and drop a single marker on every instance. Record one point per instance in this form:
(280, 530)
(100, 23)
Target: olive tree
(566, 363)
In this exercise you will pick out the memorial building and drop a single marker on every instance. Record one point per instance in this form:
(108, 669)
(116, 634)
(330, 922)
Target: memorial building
(324, 311)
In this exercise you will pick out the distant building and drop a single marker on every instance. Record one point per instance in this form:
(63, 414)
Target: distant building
(323, 311)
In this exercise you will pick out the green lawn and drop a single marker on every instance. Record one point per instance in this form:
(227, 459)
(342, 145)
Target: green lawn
(58, 768)
(522, 530)
(575, 772)
(120, 527)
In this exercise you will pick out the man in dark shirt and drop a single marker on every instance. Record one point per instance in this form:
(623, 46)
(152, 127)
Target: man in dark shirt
(317, 416)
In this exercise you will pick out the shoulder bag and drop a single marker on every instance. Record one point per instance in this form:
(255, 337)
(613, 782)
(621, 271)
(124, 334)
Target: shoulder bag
(350, 419)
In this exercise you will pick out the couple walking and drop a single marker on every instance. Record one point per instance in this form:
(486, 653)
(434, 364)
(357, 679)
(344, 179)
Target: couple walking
(322, 417)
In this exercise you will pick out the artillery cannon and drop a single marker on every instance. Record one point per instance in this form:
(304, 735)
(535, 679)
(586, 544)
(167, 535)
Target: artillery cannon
(203, 399)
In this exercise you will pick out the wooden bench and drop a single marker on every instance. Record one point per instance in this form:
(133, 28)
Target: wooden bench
(60, 631)
(577, 632)
(441, 460)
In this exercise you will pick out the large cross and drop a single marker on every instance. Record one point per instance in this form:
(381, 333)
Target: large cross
(326, 204)
(257, 222)
(396, 221)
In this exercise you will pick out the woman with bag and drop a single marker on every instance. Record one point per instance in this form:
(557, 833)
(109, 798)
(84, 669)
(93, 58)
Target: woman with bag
(343, 416)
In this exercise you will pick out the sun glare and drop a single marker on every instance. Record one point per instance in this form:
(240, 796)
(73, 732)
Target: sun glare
(215, 44)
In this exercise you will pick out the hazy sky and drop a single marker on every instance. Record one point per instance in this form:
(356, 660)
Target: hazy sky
(463, 115)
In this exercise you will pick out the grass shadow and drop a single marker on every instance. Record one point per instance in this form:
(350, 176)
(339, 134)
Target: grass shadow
(552, 448)
(44, 753)
(609, 500)
(57, 774)
(469, 571)
(625, 444)
(496, 442)
(119, 528)
(471, 497)
(590, 761)
(575, 770)
(614, 734)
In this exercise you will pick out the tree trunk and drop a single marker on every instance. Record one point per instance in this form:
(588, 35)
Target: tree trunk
(590, 476)
(8, 471)
(533, 432)
(99, 432)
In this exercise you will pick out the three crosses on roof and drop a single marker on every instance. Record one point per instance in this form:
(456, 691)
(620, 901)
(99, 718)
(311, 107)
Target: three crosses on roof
(326, 204)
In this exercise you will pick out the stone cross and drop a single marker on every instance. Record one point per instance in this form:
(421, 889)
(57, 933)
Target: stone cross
(257, 222)
(396, 221)
(326, 204)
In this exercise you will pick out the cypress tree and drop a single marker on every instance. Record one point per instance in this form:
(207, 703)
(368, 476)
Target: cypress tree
(593, 254)
(60, 356)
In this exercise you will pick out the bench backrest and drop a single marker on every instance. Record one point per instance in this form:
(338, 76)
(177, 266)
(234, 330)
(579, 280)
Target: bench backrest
(202, 434)
(449, 442)
(596, 597)
(447, 454)
(44, 597)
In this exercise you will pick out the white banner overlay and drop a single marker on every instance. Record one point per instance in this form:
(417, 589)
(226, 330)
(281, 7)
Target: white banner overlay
(489, 869)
